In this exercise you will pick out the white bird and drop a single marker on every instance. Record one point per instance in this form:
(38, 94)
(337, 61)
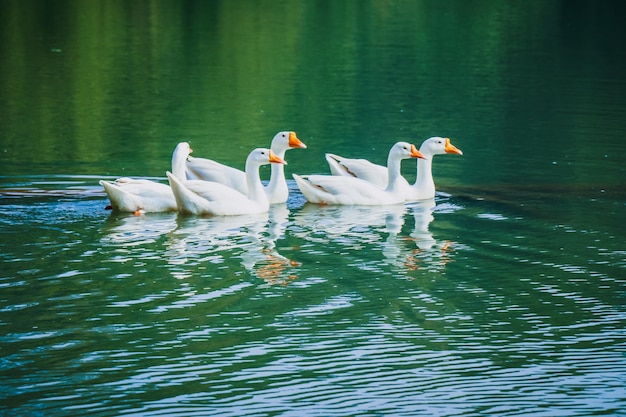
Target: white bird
(346, 190)
(276, 189)
(424, 187)
(212, 198)
(140, 195)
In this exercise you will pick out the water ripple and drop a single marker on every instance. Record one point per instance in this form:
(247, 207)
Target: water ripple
(411, 310)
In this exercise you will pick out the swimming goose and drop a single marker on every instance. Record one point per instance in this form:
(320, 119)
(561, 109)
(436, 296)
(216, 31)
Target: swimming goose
(276, 189)
(212, 198)
(347, 190)
(140, 195)
(424, 187)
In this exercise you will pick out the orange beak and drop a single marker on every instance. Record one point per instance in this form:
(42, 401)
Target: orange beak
(450, 148)
(276, 159)
(294, 142)
(415, 153)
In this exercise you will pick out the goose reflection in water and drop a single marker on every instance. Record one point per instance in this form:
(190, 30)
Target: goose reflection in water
(267, 263)
(428, 253)
(184, 242)
(359, 229)
(359, 232)
(191, 241)
(218, 240)
(350, 226)
(127, 229)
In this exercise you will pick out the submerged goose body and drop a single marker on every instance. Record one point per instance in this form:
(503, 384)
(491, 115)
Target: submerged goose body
(141, 195)
(348, 190)
(276, 189)
(211, 198)
(424, 186)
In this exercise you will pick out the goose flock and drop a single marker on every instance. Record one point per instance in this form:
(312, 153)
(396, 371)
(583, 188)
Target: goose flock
(205, 187)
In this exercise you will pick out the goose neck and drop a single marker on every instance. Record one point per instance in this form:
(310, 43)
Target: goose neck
(178, 164)
(277, 173)
(425, 173)
(393, 169)
(253, 180)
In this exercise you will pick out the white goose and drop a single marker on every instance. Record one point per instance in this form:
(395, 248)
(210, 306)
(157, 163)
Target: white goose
(212, 198)
(424, 187)
(329, 189)
(276, 189)
(139, 195)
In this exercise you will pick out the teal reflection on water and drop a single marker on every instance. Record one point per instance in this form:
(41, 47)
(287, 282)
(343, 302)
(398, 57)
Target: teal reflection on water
(532, 92)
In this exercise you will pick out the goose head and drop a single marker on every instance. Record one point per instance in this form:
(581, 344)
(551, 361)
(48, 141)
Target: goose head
(286, 140)
(264, 156)
(439, 146)
(183, 148)
(405, 150)
(179, 158)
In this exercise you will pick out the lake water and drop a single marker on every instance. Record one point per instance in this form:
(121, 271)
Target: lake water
(504, 296)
